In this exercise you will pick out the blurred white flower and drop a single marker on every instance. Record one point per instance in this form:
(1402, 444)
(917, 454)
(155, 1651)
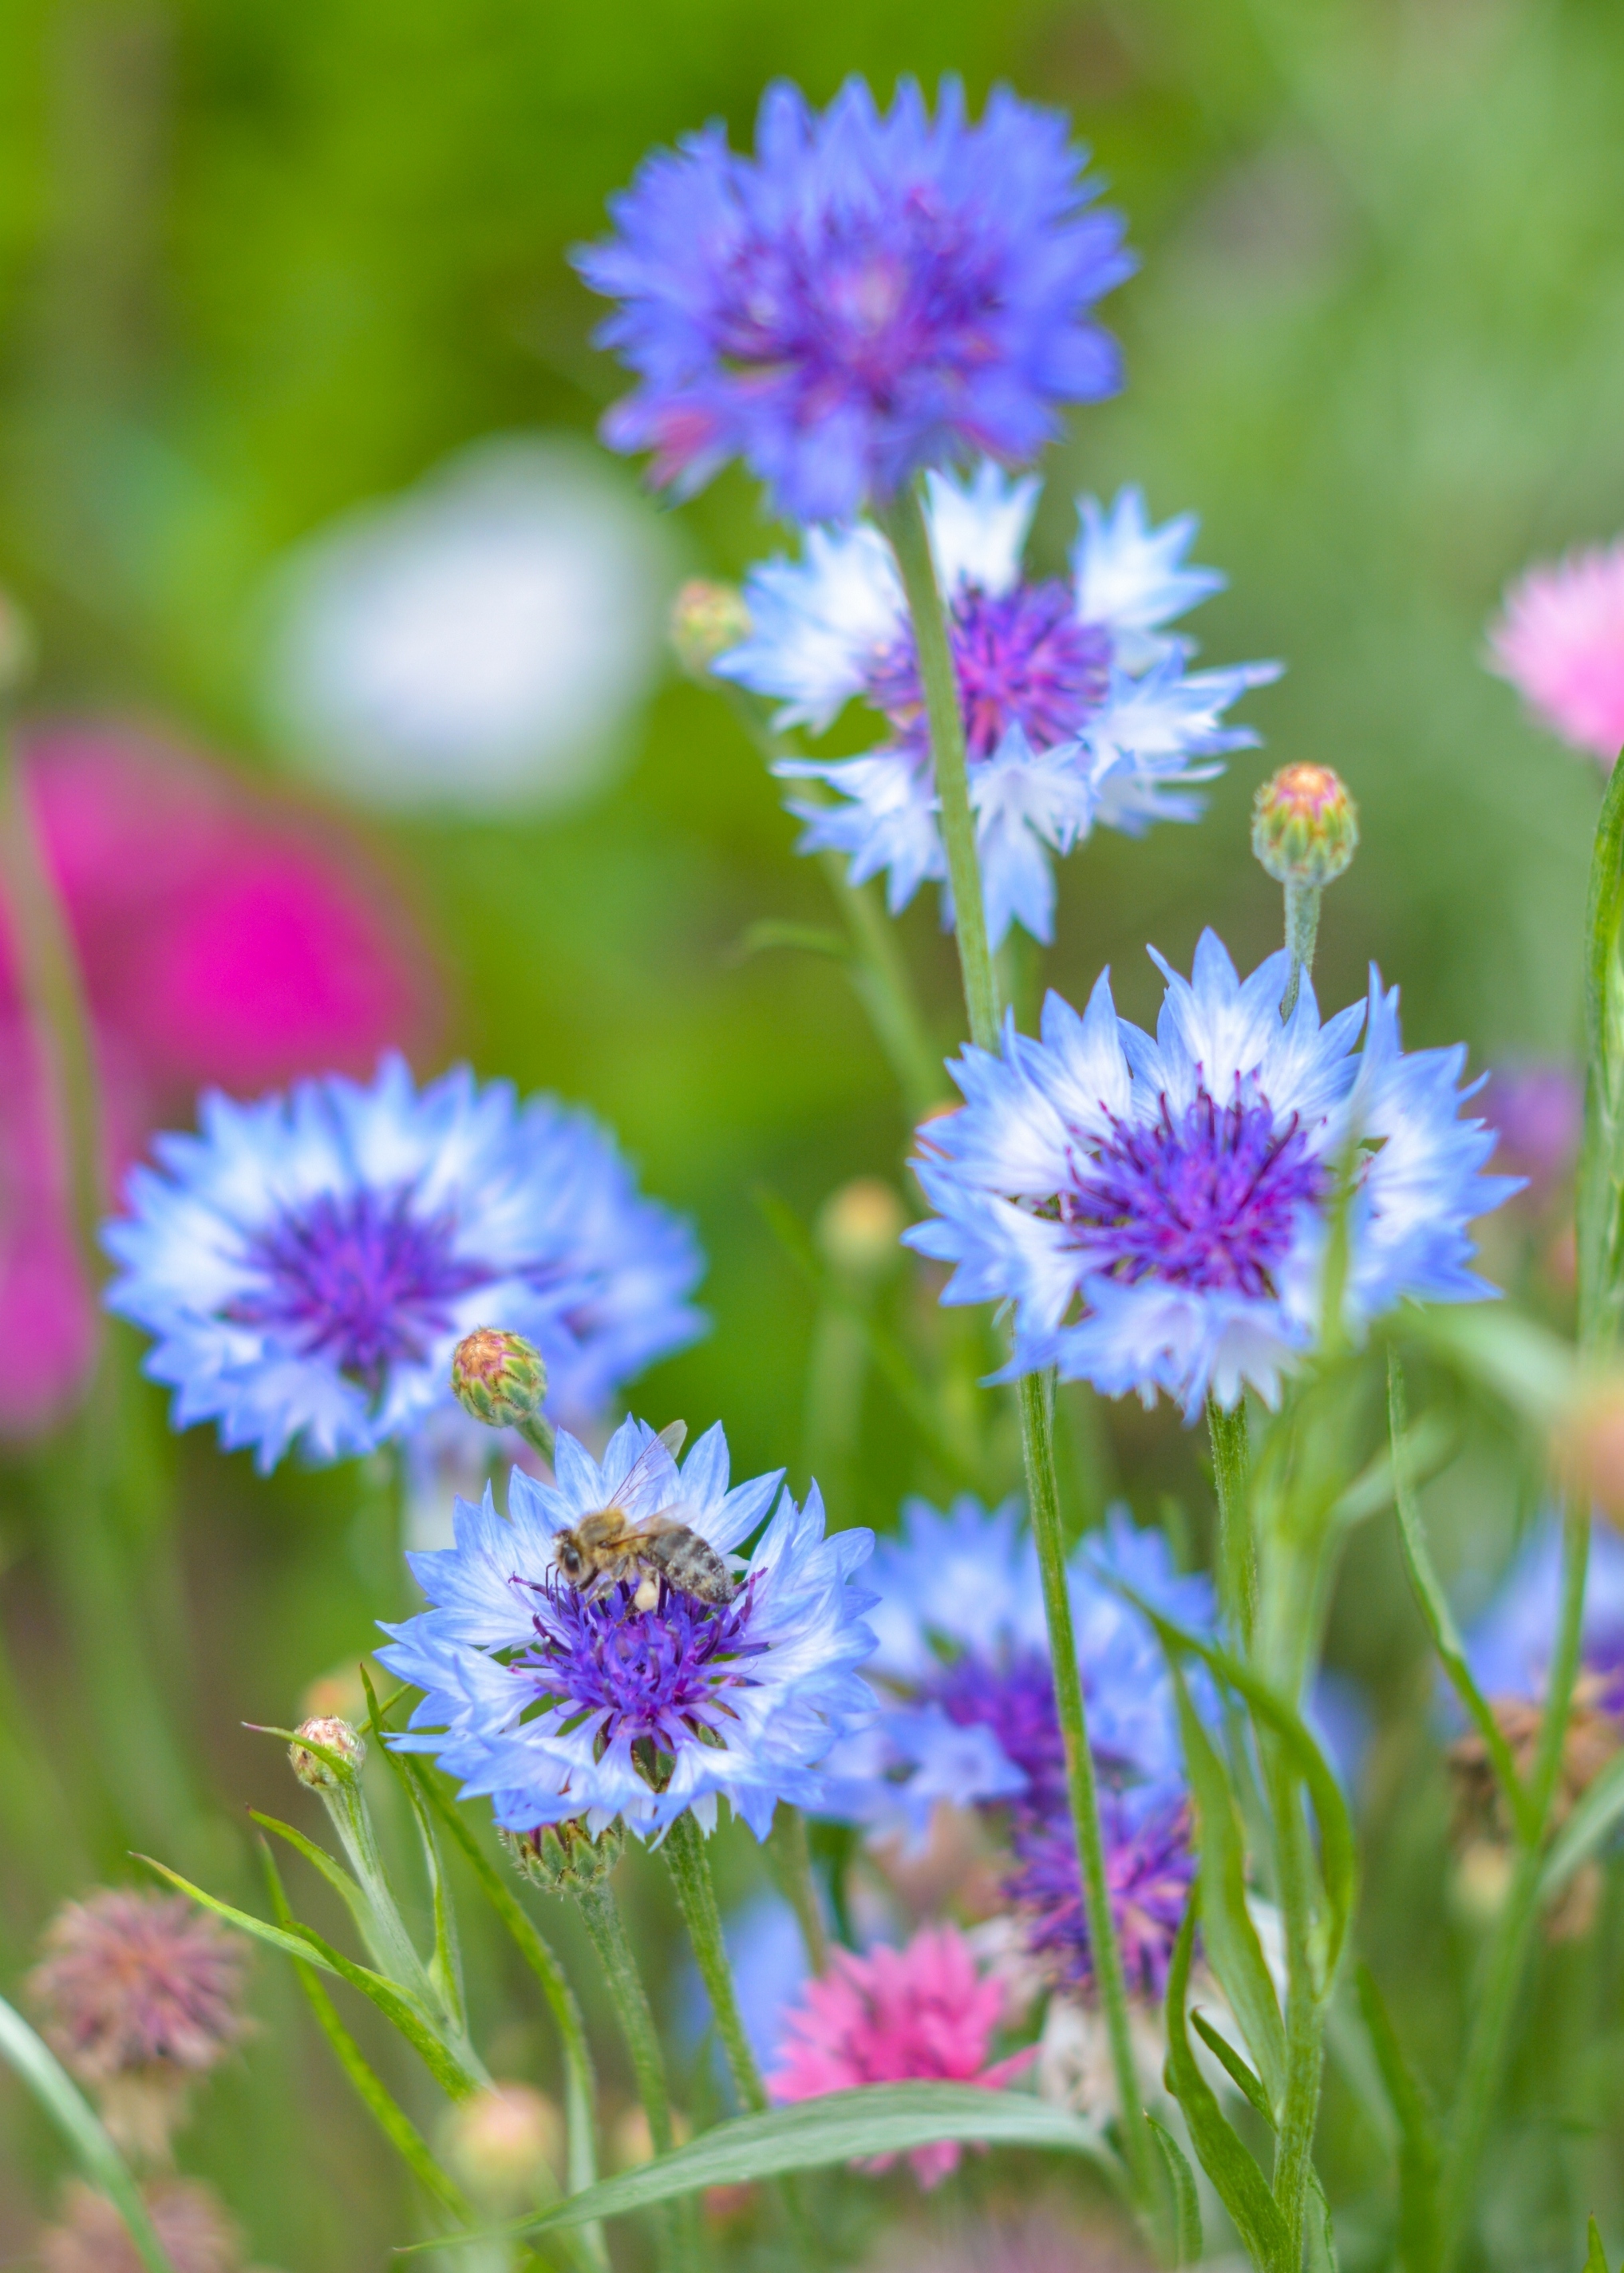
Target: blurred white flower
(483, 640)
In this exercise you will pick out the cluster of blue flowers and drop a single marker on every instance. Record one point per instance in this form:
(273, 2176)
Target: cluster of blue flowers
(964, 1715)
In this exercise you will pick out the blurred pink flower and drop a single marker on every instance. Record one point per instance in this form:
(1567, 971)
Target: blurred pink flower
(893, 2017)
(225, 937)
(1560, 642)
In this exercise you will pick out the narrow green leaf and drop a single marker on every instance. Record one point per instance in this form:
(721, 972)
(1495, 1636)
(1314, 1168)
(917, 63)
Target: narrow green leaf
(579, 2088)
(1186, 2202)
(318, 1859)
(303, 1943)
(1435, 1611)
(1246, 2082)
(1338, 1859)
(39, 2068)
(1428, 1447)
(1420, 2158)
(343, 1768)
(843, 2126)
(446, 1967)
(1596, 2259)
(811, 939)
(396, 2126)
(1242, 2186)
(1321, 2236)
(1601, 1167)
(1593, 1818)
(1232, 1946)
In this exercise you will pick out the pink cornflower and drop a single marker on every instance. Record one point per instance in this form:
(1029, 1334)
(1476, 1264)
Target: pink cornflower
(225, 940)
(1560, 642)
(139, 1994)
(198, 2237)
(897, 2017)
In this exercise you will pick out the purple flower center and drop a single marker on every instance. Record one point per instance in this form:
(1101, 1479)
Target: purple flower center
(1022, 659)
(361, 1279)
(1149, 1866)
(1013, 1696)
(661, 1673)
(1208, 1201)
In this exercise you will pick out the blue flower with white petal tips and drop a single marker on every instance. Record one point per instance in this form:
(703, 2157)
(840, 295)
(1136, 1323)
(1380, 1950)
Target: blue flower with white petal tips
(1079, 708)
(962, 1679)
(307, 1263)
(1157, 1210)
(1509, 1647)
(556, 1705)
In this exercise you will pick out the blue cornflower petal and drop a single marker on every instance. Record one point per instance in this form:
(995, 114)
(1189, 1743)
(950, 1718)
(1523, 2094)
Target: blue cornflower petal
(1156, 1208)
(307, 1263)
(555, 1704)
(868, 296)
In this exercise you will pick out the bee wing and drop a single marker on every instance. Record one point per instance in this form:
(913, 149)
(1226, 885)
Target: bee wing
(674, 1518)
(649, 1462)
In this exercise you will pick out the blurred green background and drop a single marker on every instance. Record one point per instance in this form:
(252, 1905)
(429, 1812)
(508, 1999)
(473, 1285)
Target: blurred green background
(259, 262)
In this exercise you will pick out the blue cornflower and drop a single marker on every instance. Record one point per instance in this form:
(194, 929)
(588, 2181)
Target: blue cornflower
(640, 1702)
(1508, 1646)
(1156, 1212)
(1078, 705)
(308, 1262)
(865, 296)
(964, 1689)
(1150, 1865)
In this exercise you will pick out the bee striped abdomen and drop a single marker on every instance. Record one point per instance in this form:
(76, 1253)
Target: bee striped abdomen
(689, 1563)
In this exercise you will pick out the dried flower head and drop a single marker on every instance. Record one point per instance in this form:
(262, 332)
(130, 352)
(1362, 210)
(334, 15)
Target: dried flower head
(139, 1994)
(189, 2218)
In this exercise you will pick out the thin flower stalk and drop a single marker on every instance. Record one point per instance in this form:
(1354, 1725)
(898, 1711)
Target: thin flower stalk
(790, 1854)
(1235, 1562)
(904, 525)
(696, 1896)
(606, 1928)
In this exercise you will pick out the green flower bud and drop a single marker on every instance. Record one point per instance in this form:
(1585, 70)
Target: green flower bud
(500, 1378)
(562, 1857)
(860, 1228)
(1304, 826)
(707, 619)
(333, 1735)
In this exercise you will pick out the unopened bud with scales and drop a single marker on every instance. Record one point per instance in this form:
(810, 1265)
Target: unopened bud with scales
(1305, 831)
(501, 1379)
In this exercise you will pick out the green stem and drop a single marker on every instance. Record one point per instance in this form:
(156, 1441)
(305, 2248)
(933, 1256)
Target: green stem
(1485, 2049)
(1237, 1555)
(1304, 2015)
(600, 1915)
(1042, 1495)
(696, 1896)
(903, 522)
(53, 1002)
(789, 1856)
(1302, 929)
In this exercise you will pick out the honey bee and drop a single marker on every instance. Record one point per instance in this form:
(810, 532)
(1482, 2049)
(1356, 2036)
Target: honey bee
(609, 1544)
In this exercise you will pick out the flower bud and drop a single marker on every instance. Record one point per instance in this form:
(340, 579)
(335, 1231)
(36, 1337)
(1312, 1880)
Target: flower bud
(333, 1735)
(1304, 826)
(564, 1858)
(859, 1227)
(504, 2143)
(707, 619)
(499, 1378)
(17, 647)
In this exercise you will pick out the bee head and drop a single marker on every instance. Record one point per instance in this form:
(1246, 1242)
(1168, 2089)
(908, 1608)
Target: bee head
(569, 1557)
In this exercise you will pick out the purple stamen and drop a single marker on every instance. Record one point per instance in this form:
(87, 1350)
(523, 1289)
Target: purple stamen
(661, 1673)
(1209, 1201)
(359, 1279)
(1022, 659)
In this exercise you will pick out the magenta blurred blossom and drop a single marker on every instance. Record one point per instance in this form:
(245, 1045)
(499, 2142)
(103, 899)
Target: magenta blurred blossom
(893, 2016)
(1538, 1110)
(226, 939)
(1560, 642)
